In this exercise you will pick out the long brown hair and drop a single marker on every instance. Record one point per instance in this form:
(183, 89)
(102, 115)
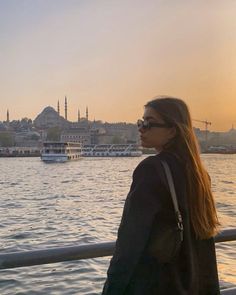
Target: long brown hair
(185, 146)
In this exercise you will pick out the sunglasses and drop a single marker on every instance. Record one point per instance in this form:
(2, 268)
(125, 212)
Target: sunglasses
(148, 125)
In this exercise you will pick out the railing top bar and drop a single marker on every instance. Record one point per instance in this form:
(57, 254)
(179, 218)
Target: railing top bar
(53, 255)
(228, 291)
(59, 254)
(226, 235)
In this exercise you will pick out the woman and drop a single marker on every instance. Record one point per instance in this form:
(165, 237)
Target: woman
(167, 127)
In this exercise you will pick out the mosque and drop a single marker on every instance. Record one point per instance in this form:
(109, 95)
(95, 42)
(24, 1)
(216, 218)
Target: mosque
(49, 118)
(71, 131)
(82, 130)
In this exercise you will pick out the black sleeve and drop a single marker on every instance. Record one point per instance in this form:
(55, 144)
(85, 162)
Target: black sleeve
(141, 207)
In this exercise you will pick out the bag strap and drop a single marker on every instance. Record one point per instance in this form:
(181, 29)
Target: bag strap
(173, 195)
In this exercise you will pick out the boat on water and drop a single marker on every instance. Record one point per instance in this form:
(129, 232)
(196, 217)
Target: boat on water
(220, 150)
(111, 150)
(60, 151)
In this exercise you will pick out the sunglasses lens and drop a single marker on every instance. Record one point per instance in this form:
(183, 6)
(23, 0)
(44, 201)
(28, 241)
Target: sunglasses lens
(142, 124)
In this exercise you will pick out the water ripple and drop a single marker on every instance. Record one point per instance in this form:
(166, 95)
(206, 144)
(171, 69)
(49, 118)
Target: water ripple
(78, 203)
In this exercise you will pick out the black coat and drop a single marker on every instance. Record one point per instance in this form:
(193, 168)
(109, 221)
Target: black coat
(132, 270)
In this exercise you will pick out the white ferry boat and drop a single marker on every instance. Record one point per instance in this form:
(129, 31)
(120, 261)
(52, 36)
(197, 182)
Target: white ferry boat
(111, 150)
(60, 151)
(220, 150)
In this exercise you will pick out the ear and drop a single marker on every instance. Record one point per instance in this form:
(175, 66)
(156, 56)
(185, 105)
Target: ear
(172, 132)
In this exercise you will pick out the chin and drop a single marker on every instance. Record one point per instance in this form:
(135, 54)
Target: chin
(146, 145)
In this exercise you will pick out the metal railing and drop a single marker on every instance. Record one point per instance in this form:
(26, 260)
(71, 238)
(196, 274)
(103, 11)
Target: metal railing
(59, 254)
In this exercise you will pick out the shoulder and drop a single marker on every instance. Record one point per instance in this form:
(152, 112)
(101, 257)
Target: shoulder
(148, 186)
(146, 164)
(152, 167)
(149, 168)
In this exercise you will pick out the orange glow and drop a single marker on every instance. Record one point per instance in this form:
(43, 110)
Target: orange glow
(113, 59)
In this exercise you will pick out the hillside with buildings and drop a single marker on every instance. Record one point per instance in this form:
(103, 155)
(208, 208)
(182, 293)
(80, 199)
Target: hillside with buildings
(51, 125)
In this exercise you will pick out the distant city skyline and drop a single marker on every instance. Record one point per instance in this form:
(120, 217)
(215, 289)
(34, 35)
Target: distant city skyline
(114, 56)
(64, 109)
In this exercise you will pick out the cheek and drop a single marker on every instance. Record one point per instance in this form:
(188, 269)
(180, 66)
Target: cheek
(160, 137)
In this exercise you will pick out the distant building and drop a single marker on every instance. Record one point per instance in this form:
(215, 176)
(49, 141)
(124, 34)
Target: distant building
(81, 135)
(49, 118)
(3, 127)
(232, 131)
(27, 138)
(123, 132)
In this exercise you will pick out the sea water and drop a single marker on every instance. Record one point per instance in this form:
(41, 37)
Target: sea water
(55, 205)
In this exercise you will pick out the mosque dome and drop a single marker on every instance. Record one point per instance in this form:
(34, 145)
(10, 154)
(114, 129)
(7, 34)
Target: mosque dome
(48, 118)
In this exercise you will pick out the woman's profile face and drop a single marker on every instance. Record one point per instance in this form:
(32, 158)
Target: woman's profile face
(155, 137)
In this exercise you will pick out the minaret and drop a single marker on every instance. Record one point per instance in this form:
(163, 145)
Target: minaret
(65, 108)
(78, 115)
(87, 113)
(58, 108)
(8, 117)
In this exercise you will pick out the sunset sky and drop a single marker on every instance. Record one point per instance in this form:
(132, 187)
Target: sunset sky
(113, 56)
